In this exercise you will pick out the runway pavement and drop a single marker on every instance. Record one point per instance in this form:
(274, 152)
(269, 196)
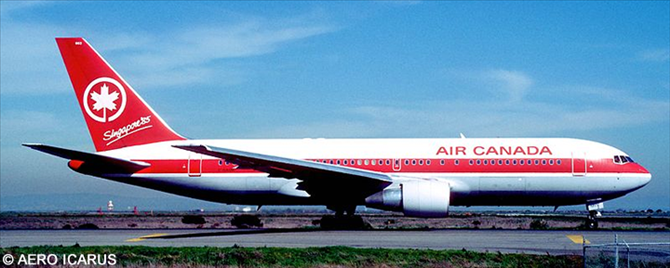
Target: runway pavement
(521, 241)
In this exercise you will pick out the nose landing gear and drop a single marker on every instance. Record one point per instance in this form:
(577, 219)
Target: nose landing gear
(592, 220)
(594, 213)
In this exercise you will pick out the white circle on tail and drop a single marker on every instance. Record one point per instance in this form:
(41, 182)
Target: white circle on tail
(104, 92)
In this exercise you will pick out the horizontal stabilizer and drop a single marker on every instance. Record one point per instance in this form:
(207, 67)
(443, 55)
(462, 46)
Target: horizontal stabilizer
(107, 162)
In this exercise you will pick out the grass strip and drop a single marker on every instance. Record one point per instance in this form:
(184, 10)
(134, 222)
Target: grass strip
(304, 257)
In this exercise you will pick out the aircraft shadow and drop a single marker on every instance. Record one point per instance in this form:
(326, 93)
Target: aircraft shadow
(234, 232)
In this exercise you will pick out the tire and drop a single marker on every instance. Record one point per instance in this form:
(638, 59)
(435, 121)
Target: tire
(591, 224)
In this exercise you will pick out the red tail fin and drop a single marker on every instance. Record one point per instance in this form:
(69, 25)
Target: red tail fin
(116, 116)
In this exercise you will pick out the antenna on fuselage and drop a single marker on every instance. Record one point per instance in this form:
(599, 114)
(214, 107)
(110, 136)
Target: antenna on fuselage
(462, 136)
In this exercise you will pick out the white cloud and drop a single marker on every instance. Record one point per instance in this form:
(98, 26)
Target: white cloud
(20, 126)
(500, 84)
(9, 7)
(30, 60)
(516, 83)
(522, 113)
(486, 118)
(659, 55)
(31, 63)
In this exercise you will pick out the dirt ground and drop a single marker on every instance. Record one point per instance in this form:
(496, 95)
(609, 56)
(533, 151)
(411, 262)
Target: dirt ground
(377, 221)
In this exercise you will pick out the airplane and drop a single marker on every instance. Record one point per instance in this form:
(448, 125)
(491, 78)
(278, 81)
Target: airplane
(418, 177)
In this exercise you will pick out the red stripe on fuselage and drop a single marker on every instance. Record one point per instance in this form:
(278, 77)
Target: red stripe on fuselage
(215, 166)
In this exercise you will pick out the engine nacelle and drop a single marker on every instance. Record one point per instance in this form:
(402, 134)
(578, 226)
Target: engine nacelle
(427, 199)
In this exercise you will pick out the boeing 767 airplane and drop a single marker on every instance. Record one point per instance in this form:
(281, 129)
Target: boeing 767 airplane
(418, 177)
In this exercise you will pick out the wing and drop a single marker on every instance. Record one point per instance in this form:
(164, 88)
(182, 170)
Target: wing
(320, 180)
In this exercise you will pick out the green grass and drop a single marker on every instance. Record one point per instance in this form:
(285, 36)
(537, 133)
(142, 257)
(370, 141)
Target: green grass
(305, 257)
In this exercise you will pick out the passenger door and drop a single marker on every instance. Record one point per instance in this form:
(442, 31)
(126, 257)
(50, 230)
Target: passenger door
(579, 164)
(194, 165)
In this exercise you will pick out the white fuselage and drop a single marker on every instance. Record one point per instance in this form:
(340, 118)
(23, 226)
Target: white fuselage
(522, 172)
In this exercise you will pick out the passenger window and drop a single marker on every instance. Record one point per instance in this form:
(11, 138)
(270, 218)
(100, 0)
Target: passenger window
(479, 162)
(367, 162)
(388, 162)
(529, 162)
(514, 162)
(456, 162)
(413, 162)
(544, 161)
(522, 162)
(558, 162)
(338, 161)
(427, 162)
(470, 162)
(486, 162)
(346, 162)
(507, 162)
(421, 162)
(406, 162)
(373, 162)
(537, 162)
(442, 162)
(551, 162)
(500, 162)
(220, 162)
(360, 162)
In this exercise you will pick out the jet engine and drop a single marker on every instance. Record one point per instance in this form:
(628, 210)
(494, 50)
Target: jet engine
(426, 199)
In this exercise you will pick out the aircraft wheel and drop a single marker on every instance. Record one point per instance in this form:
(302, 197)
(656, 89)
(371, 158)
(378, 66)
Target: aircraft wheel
(591, 223)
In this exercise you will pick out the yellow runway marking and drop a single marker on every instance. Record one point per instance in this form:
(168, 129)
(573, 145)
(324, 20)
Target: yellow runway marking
(144, 237)
(578, 239)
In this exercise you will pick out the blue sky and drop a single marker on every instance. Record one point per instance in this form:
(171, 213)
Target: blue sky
(590, 70)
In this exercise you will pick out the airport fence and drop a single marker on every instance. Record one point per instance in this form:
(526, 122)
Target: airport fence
(621, 254)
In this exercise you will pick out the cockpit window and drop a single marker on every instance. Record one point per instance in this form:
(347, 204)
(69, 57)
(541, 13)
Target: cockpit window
(622, 159)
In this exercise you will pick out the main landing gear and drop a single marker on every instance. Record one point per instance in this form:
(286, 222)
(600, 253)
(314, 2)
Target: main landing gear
(594, 213)
(340, 221)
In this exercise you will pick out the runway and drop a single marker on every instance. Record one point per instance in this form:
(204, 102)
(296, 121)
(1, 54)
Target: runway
(507, 241)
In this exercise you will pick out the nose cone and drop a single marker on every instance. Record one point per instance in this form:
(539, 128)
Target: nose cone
(645, 176)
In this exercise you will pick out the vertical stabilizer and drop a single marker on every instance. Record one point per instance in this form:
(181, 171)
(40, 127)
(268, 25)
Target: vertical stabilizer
(116, 116)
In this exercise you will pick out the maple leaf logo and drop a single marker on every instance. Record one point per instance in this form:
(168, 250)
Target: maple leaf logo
(104, 100)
